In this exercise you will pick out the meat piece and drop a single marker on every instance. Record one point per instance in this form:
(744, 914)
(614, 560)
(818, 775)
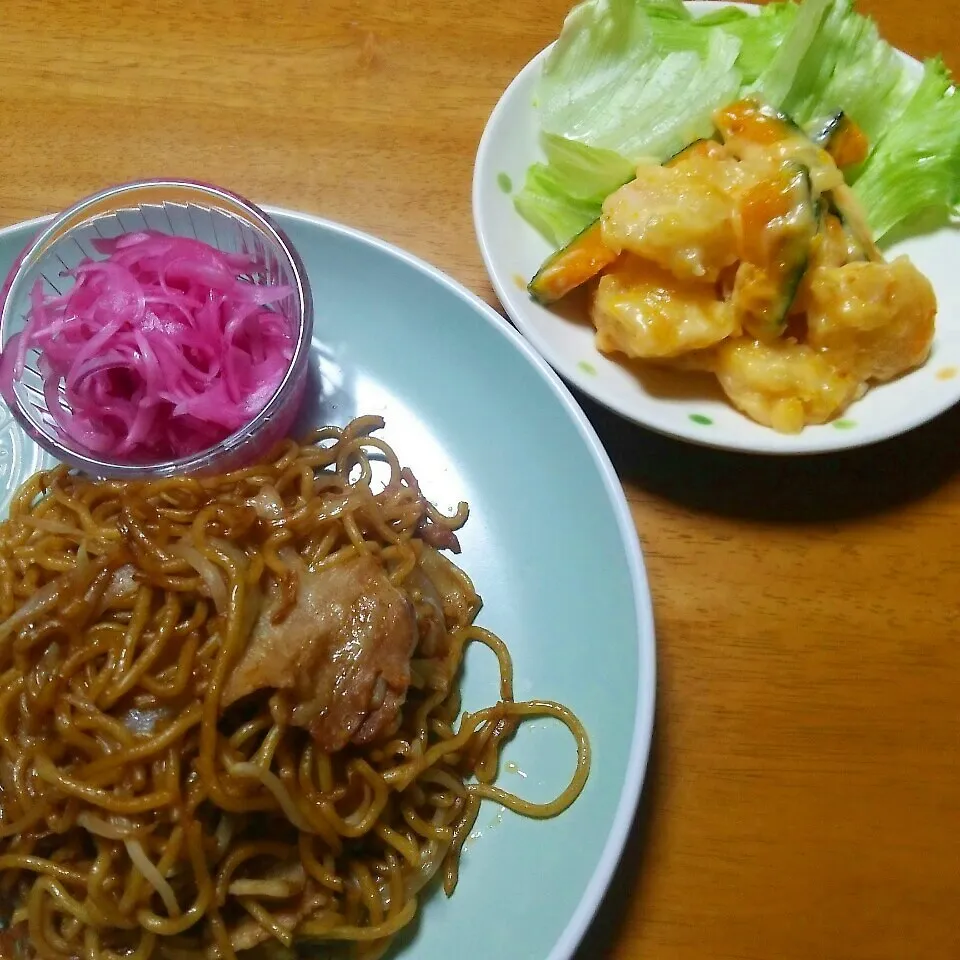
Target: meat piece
(445, 585)
(15, 944)
(248, 934)
(343, 650)
(445, 599)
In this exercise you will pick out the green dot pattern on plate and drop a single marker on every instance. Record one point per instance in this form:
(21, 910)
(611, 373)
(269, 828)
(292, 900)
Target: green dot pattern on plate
(704, 421)
(587, 367)
(504, 182)
(844, 424)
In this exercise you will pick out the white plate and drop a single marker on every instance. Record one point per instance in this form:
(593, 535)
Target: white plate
(681, 405)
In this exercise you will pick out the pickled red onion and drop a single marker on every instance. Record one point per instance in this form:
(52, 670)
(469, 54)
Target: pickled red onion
(161, 350)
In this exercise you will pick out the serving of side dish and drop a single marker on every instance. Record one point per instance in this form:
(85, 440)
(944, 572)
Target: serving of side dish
(156, 328)
(690, 405)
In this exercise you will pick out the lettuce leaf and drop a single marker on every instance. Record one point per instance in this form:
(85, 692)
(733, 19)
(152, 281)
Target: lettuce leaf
(592, 70)
(614, 92)
(667, 10)
(849, 67)
(781, 74)
(635, 80)
(606, 84)
(915, 165)
(551, 211)
(760, 35)
(562, 196)
(587, 173)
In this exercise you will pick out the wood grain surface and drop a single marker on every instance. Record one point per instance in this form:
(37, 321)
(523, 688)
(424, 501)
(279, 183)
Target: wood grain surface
(803, 801)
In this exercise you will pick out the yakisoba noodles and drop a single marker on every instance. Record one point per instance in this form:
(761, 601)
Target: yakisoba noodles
(229, 710)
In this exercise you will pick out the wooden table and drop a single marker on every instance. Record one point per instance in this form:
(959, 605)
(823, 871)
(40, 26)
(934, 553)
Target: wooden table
(803, 801)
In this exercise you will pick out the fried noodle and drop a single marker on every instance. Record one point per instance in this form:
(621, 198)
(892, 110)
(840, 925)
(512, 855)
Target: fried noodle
(163, 794)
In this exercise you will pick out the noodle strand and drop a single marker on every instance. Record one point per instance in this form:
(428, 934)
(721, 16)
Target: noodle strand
(230, 712)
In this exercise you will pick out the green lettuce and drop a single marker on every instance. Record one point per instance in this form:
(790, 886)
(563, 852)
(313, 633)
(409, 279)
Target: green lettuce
(843, 65)
(606, 84)
(675, 30)
(565, 194)
(915, 165)
(791, 59)
(607, 100)
(667, 10)
(635, 80)
(760, 34)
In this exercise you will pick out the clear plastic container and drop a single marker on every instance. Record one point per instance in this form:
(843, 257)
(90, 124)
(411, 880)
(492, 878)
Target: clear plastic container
(179, 208)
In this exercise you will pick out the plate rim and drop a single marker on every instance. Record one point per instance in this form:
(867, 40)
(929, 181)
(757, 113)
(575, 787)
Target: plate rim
(571, 934)
(800, 446)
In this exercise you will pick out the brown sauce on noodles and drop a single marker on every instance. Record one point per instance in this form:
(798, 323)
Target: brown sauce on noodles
(229, 709)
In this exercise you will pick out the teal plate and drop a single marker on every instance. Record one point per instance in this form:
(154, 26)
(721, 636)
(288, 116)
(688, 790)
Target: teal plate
(550, 544)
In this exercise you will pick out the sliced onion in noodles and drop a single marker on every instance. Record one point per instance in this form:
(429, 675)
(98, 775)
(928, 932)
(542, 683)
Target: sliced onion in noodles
(223, 834)
(122, 584)
(53, 526)
(275, 888)
(212, 577)
(144, 723)
(272, 782)
(116, 828)
(235, 554)
(431, 856)
(152, 875)
(267, 503)
(267, 921)
(379, 693)
(40, 602)
(290, 557)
